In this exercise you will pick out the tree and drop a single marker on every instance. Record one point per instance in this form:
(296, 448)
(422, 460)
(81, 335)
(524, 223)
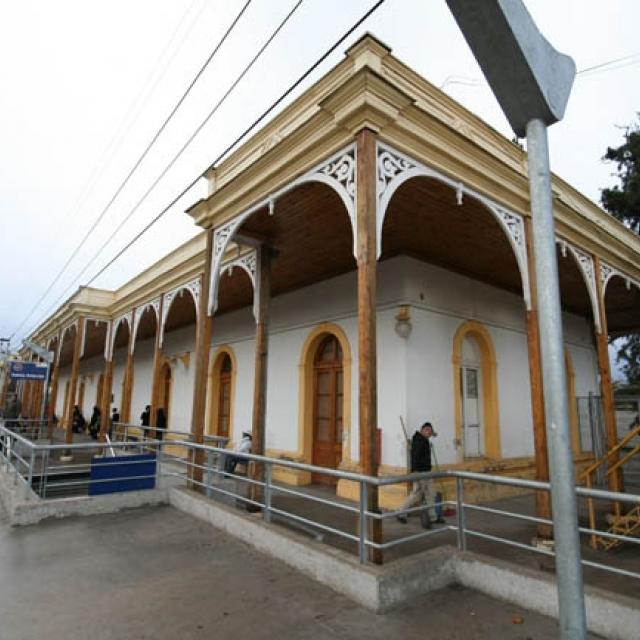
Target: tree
(628, 355)
(623, 202)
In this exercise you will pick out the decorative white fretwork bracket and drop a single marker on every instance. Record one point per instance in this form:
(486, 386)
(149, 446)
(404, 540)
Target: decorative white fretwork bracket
(125, 317)
(193, 288)
(394, 169)
(96, 322)
(337, 172)
(249, 263)
(587, 270)
(607, 272)
(138, 312)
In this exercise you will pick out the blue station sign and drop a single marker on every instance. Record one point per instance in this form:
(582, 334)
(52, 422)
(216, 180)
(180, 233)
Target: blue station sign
(20, 370)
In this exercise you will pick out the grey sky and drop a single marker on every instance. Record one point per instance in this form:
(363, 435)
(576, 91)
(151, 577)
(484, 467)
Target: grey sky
(72, 71)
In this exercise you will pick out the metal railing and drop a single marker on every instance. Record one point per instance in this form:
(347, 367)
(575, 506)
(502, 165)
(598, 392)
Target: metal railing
(204, 467)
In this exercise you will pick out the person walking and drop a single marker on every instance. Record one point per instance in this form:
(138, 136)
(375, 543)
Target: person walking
(423, 488)
(145, 420)
(94, 423)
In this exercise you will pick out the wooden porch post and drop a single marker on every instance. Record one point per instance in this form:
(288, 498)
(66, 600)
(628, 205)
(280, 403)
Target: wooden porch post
(204, 331)
(125, 409)
(26, 399)
(73, 379)
(543, 498)
(616, 482)
(53, 397)
(5, 387)
(367, 357)
(157, 365)
(107, 385)
(261, 358)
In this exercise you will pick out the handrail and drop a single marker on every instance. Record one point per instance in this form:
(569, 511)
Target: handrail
(598, 463)
(377, 481)
(262, 489)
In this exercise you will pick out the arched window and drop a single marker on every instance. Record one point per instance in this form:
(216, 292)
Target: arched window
(221, 393)
(471, 398)
(224, 397)
(475, 392)
(328, 385)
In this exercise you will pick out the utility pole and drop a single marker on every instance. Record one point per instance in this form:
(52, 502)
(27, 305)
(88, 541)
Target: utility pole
(532, 82)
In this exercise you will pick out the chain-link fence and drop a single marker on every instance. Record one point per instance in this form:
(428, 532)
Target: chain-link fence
(591, 429)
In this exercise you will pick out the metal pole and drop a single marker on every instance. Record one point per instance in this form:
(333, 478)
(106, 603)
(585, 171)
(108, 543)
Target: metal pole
(462, 540)
(209, 473)
(27, 493)
(563, 497)
(362, 538)
(45, 392)
(268, 472)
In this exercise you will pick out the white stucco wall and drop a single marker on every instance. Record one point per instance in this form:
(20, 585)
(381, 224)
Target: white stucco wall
(142, 378)
(415, 375)
(177, 343)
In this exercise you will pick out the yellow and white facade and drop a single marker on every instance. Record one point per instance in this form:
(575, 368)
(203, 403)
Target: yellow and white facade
(365, 262)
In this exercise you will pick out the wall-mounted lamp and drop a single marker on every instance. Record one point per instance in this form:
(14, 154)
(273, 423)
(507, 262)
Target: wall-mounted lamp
(403, 322)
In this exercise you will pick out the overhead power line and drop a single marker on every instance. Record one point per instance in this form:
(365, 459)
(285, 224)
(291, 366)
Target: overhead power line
(175, 158)
(137, 105)
(138, 162)
(602, 67)
(231, 146)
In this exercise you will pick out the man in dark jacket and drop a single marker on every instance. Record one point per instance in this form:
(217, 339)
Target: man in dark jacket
(422, 489)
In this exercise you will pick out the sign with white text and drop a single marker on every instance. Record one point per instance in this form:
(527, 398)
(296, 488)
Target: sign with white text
(20, 370)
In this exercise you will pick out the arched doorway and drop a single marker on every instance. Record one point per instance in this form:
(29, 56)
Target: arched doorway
(164, 399)
(476, 392)
(222, 392)
(328, 393)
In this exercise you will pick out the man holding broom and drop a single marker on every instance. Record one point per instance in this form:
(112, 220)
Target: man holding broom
(423, 488)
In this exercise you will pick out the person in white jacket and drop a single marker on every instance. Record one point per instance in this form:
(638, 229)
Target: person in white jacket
(244, 446)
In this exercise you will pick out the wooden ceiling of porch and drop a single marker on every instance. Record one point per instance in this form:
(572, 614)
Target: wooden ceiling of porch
(312, 234)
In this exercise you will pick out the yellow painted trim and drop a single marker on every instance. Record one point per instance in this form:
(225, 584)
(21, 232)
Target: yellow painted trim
(213, 389)
(574, 424)
(490, 410)
(305, 390)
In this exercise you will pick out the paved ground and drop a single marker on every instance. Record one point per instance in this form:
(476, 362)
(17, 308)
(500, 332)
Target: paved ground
(160, 574)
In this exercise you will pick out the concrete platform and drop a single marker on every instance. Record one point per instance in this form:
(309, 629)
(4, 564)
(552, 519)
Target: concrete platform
(156, 573)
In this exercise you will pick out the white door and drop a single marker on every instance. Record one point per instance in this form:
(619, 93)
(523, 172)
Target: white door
(472, 431)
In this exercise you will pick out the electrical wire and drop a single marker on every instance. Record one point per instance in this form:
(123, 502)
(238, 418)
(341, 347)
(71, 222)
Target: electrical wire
(222, 155)
(136, 165)
(139, 102)
(182, 149)
(603, 65)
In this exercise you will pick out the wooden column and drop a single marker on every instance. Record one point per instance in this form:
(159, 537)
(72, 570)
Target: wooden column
(125, 409)
(53, 397)
(204, 332)
(157, 365)
(606, 388)
(263, 286)
(107, 385)
(367, 345)
(25, 402)
(73, 379)
(543, 498)
(5, 387)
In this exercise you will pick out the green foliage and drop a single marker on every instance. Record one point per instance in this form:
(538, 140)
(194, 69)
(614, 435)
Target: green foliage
(629, 355)
(623, 201)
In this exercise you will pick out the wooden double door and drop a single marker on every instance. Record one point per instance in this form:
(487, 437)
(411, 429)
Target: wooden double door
(328, 394)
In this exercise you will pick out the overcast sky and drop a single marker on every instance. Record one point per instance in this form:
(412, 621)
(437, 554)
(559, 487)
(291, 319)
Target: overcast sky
(85, 85)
